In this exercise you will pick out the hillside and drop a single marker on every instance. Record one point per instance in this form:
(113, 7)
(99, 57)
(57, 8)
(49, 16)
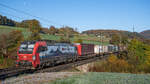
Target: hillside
(6, 21)
(89, 39)
(7, 29)
(109, 33)
(146, 34)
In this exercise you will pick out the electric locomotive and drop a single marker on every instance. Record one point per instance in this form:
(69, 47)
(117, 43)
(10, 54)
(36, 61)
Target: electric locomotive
(43, 53)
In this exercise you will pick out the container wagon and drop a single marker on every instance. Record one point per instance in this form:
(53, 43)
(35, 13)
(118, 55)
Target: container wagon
(84, 49)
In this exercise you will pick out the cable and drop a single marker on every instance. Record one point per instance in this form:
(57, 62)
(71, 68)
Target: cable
(29, 14)
(18, 17)
(11, 15)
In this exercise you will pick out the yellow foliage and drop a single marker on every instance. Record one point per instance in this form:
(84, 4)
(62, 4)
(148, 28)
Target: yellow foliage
(113, 64)
(112, 59)
(148, 58)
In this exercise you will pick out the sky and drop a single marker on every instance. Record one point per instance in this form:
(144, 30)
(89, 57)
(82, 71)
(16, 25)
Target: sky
(83, 14)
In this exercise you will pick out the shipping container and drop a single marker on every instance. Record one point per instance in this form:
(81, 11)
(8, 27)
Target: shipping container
(105, 48)
(84, 49)
(100, 49)
(110, 48)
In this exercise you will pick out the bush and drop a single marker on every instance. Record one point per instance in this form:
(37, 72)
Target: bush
(112, 64)
(6, 62)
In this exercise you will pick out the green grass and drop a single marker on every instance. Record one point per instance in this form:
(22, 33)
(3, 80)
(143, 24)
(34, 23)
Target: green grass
(95, 42)
(50, 37)
(16, 28)
(26, 33)
(106, 78)
(7, 29)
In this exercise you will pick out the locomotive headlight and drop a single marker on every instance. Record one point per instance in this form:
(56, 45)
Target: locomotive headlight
(33, 57)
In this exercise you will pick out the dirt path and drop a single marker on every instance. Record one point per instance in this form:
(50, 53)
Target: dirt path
(38, 78)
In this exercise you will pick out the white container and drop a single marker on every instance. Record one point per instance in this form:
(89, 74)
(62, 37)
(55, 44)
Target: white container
(100, 49)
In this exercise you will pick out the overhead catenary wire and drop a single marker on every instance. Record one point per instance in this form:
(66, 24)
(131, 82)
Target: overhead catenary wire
(20, 11)
(11, 15)
(36, 17)
(21, 18)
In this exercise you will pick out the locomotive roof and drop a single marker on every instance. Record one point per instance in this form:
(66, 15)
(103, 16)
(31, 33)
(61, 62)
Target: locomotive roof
(58, 44)
(28, 42)
(34, 41)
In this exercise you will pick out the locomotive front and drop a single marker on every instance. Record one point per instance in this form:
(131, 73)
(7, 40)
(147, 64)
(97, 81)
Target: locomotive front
(27, 54)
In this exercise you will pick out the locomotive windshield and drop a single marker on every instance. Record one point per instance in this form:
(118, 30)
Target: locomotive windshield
(26, 48)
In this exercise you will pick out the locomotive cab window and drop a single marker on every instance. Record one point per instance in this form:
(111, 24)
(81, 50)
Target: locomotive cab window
(26, 48)
(41, 49)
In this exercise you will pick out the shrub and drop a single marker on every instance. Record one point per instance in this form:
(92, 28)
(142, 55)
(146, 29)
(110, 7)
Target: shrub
(112, 64)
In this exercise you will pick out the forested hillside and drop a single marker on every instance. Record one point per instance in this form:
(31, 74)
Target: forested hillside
(5, 21)
(109, 33)
(146, 34)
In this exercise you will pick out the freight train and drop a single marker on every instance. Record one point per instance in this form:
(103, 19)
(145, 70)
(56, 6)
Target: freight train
(38, 54)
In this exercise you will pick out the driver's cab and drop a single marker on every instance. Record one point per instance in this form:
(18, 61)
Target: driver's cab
(28, 53)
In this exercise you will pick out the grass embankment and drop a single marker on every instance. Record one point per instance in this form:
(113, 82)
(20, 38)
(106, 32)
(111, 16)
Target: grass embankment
(7, 29)
(105, 78)
(26, 33)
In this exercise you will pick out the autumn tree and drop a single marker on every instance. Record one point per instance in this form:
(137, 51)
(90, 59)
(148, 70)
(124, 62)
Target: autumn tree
(9, 43)
(35, 28)
(5, 21)
(52, 30)
(67, 31)
(115, 39)
(78, 41)
(112, 64)
(138, 54)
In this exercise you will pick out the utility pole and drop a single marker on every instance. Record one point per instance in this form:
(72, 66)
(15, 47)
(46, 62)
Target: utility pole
(133, 32)
(120, 37)
(100, 36)
(102, 43)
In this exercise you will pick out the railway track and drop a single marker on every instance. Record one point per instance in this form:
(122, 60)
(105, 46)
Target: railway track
(15, 71)
(12, 71)
(69, 65)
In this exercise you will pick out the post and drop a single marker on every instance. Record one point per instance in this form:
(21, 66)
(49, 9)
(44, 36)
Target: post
(102, 44)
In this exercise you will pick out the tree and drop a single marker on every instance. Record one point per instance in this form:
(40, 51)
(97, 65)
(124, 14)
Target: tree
(9, 43)
(5, 21)
(78, 41)
(115, 39)
(118, 39)
(67, 31)
(35, 28)
(52, 30)
(138, 55)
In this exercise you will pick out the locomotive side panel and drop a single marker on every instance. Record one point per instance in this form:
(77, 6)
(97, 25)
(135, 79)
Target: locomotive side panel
(58, 53)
